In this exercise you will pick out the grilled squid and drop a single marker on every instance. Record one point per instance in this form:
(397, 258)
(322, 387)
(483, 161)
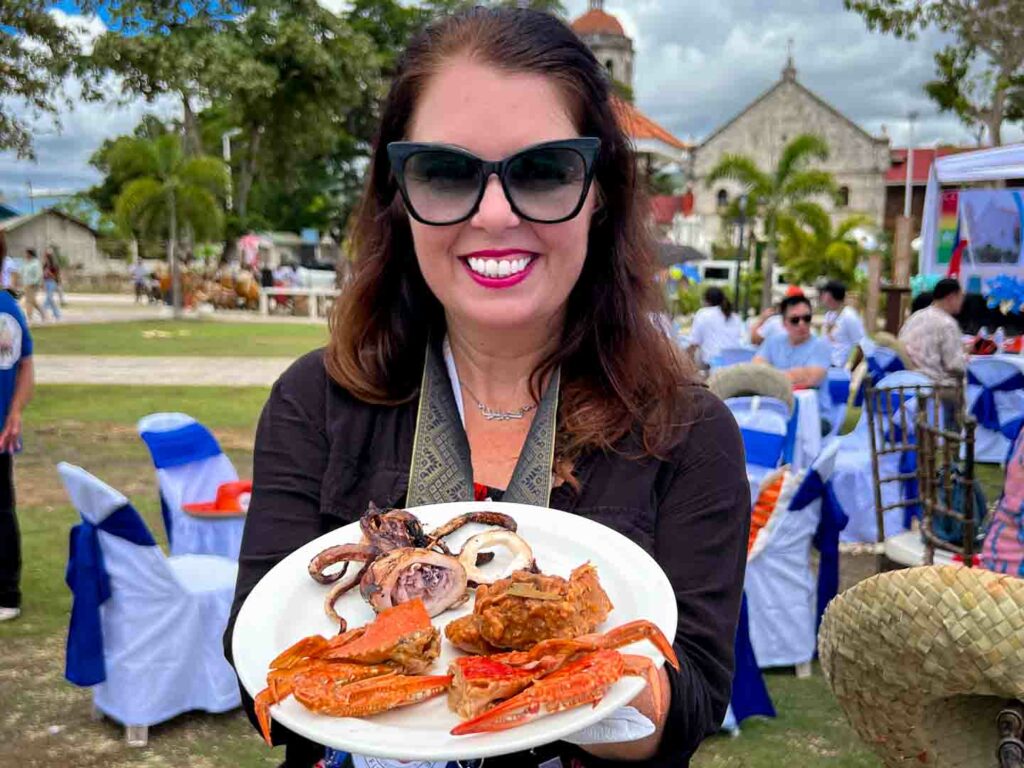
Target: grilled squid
(406, 574)
(472, 555)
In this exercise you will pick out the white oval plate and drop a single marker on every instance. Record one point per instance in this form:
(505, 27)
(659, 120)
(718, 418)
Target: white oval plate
(286, 605)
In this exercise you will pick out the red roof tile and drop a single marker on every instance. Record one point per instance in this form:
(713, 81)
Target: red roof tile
(923, 159)
(665, 207)
(597, 22)
(638, 126)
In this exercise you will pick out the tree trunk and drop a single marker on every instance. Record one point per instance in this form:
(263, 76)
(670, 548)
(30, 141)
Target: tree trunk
(172, 237)
(247, 173)
(192, 143)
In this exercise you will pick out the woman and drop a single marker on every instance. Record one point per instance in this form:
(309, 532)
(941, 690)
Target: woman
(715, 326)
(513, 299)
(51, 283)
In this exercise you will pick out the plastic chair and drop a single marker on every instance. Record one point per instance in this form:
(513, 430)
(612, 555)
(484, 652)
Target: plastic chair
(995, 397)
(146, 630)
(853, 478)
(785, 598)
(190, 467)
(765, 425)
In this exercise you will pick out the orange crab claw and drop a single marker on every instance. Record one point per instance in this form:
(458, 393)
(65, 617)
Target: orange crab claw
(581, 682)
(368, 697)
(306, 648)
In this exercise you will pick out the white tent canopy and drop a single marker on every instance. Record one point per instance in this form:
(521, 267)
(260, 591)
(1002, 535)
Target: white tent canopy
(995, 164)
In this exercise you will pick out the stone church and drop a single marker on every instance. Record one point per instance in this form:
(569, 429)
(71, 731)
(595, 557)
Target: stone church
(857, 159)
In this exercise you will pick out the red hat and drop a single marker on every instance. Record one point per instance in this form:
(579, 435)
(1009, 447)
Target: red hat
(232, 499)
(794, 290)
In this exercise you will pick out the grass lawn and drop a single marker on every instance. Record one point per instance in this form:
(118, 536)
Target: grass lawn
(46, 721)
(188, 337)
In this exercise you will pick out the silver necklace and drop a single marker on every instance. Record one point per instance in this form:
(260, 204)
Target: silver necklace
(491, 414)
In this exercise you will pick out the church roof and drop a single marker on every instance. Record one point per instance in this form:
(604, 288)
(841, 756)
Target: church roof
(639, 127)
(598, 22)
(789, 77)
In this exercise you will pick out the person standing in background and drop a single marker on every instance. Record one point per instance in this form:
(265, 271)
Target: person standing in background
(51, 283)
(31, 280)
(17, 380)
(843, 327)
(140, 279)
(715, 326)
(932, 335)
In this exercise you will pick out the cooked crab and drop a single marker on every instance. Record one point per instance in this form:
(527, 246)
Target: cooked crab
(480, 681)
(318, 671)
(526, 608)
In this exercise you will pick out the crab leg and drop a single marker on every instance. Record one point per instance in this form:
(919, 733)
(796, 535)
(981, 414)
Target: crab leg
(310, 674)
(584, 681)
(369, 697)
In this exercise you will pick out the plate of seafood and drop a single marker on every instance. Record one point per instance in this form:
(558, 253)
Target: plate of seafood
(454, 631)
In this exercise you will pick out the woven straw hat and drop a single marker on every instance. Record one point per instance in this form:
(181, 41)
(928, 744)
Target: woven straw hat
(751, 379)
(922, 660)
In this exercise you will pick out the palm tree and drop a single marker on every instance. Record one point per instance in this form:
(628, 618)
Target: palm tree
(811, 247)
(168, 190)
(772, 194)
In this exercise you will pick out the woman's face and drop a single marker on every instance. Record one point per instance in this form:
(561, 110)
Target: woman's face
(494, 114)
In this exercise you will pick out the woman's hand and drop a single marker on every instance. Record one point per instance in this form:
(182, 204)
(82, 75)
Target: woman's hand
(646, 748)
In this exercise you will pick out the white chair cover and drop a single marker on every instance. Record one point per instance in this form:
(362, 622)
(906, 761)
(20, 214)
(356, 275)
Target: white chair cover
(190, 466)
(853, 481)
(780, 586)
(1001, 380)
(161, 626)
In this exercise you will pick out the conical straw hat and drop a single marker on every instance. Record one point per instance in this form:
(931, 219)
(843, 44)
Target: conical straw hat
(922, 660)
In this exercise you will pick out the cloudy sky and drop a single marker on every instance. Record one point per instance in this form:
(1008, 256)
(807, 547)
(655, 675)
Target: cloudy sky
(698, 64)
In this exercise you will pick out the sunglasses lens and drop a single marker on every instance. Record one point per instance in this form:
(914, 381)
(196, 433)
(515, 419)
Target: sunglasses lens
(797, 319)
(546, 184)
(442, 186)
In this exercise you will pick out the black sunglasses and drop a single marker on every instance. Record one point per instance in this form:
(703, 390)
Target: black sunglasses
(545, 183)
(797, 319)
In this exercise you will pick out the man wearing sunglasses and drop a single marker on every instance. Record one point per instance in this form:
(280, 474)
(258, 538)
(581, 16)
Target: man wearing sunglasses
(803, 357)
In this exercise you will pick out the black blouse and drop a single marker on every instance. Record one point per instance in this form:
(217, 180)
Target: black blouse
(321, 456)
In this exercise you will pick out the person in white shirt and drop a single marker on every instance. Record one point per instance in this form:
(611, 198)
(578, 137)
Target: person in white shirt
(843, 327)
(715, 326)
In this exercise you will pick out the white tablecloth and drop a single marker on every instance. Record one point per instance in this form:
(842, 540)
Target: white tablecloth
(808, 429)
(1017, 360)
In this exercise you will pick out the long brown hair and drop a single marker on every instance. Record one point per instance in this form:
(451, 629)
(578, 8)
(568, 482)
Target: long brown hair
(620, 373)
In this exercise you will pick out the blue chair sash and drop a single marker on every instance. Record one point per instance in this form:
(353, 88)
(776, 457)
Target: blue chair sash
(762, 448)
(984, 409)
(789, 447)
(877, 372)
(826, 538)
(175, 447)
(89, 582)
(749, 694)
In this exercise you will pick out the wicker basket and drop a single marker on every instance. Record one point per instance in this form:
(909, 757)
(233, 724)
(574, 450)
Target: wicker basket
(922, 660)
(751, 379)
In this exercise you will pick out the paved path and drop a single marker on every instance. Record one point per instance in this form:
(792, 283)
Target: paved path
(174, 371)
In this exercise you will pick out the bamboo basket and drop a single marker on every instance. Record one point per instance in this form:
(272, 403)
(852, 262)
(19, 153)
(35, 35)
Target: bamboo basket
(922, 660)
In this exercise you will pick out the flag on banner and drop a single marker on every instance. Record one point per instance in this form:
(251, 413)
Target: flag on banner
(949, 227)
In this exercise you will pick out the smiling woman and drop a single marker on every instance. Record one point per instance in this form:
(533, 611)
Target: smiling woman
(497, 338)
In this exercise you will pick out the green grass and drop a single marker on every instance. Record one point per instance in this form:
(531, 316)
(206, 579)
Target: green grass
(191, 337)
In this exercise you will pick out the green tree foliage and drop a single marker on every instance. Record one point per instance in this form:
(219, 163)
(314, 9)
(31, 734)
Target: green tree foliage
(772, 194)
(167, 191)
(36, 52)
(810, 247)
(980, 76)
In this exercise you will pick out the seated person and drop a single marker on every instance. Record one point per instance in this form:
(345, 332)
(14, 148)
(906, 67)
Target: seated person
(844, 328)
(932, 336)
(803, 357)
